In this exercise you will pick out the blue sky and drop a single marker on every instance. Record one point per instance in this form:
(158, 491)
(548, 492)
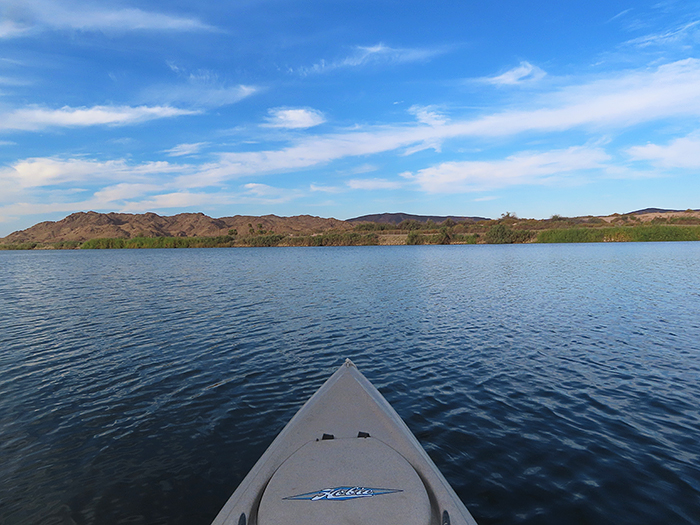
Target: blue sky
(340, 109)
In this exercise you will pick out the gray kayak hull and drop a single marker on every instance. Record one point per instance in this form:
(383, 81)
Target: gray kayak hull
(346, 457)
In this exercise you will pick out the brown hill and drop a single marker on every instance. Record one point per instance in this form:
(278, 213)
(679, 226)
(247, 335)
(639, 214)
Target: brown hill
(83, 226)
(396, 218)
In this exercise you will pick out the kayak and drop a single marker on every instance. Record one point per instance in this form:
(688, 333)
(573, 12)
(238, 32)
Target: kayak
(346, 458)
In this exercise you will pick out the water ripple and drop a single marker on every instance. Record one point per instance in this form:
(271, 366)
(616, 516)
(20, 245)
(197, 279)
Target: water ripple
(551, 384)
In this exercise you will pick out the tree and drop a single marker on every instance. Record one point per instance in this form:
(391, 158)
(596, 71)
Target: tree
(445, 236)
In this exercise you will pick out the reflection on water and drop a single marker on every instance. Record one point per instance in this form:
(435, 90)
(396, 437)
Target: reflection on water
(550, 384)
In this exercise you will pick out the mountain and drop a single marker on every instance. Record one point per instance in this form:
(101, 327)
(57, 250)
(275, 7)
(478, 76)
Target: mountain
(83, 226)
(655, 210)
(396, 218)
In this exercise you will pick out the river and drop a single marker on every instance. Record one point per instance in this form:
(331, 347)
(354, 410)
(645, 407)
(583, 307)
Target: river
(551, 384)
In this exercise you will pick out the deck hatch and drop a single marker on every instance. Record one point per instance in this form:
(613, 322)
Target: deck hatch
(344, 481)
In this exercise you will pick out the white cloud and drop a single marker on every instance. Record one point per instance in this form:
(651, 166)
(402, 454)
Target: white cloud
(186, 149)
(299, 118)
(29, 16)
(525, 72)
(36, 118)
(178, 199)
(522, 168)
(124, 197)
(36, 172)
(264, 194)
(376, 54)
(124, 191)
(679, 153)
(261, 190)
(428, 115)
(373, 184)
(358, 170)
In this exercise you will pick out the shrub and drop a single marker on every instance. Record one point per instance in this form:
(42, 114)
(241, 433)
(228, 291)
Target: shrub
(336, 239)
(466, 239)
(445, 235)
(414, 238)
(19, 246)
(260, 241)
(502, 234)
(374, 226)
(410, 224)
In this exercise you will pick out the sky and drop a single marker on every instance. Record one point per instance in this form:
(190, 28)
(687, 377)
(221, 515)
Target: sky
(344, 108)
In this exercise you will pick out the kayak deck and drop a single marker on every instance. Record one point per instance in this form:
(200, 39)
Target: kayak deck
(346, 457)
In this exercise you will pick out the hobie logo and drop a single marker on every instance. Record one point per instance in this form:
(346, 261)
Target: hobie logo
(343, 493)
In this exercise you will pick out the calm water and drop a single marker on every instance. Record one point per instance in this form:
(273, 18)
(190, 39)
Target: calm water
(552, 384)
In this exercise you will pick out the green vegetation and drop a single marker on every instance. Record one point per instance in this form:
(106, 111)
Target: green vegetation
(19, 246)
(640, 233)
(60, 245)
(226, 241)
(502, 234)
(159, 242)
(414, 238)
(334, 239)
(461, 238)
(374, 227)
(263, 240)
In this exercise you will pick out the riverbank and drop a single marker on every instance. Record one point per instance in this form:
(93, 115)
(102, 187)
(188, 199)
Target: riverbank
(374, 234)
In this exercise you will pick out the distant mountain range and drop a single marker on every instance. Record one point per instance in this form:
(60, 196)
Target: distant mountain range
(83, 226)
(396, 218)
(655, 210)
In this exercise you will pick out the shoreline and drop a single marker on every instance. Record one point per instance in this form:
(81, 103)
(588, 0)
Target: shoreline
(499, 233)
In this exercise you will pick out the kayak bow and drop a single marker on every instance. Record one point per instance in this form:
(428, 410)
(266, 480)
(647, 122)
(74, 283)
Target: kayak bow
(348, 458)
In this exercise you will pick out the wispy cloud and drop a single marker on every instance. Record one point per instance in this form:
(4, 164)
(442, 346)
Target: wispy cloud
(32, 16)
(672, 36)
(290, 118)
(621, 101)
(619, 15)
(182, 150)
(373, 184)
(327, 189)
(35, 118)
(199, 89)
(522, 168)
(680, 153)
(376, 54)
(521, 74)
(9, 81)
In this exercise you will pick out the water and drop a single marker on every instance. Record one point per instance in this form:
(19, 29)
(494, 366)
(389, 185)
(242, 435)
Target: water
(551, 384)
